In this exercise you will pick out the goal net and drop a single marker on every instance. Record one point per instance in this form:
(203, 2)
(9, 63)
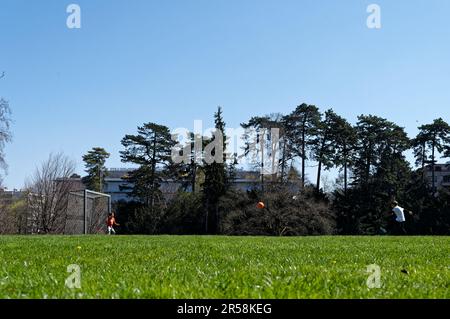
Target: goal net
(87, 212)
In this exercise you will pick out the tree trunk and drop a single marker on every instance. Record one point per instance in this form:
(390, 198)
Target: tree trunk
(262, 163)
(423, 162)
(433, 183)
(345, 170)
(319, 171)
(368, 162)
(283, 160)
(216, 230)
(262, 181)
(345, 178)
(206, 218)
(303, 156)
(152, 191)
(194, 176)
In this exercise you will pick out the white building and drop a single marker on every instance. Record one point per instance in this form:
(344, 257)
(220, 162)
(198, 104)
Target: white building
(119, 188)
(117, 185)
(441, 175)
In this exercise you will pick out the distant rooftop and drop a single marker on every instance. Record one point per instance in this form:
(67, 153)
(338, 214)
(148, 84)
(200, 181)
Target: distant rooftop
(120, 169)
(118, 172)
(439, 167)
(114, 173)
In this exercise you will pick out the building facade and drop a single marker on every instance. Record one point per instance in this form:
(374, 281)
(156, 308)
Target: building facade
(117, 186)
(441, 175)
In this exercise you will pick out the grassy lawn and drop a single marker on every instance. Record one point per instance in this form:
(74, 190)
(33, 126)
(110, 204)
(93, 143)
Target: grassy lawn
(224, 267)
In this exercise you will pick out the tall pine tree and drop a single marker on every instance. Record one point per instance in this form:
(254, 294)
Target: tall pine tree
(95, 160)
(433, 138)
(215, 184)
(303, 122)
(151, 149)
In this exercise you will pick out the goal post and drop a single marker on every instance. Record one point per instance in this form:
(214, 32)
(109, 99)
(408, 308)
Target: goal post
(87, 212)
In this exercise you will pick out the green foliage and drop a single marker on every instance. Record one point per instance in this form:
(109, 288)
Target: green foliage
(432, 216)
(13, 217)
(256, 147)
(382, 174)
(130, 217)
(302, 126)
(333, 144)
(151, 149)
(436, 134)
(95, 161)
(371, 155)
(432, 138)
(378, 140)
(191, 171)
(184, 215)
(231, 171)
(215, 184)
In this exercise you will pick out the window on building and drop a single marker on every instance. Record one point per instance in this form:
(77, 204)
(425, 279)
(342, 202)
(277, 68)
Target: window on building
(446, 179)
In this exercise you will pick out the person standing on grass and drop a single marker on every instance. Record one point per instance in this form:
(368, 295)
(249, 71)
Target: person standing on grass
(399, 213)
(111, 222)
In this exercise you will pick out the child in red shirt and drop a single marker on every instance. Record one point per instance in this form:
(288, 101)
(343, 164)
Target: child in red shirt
(111, 222)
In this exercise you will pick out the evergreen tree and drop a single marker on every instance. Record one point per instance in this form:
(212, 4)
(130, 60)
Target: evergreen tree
(215, 178)
(376, 137)
(332, 144)
(231, 171)
(421, 152)
(95, 160)
(263, 147)
(151, 149)
(195, 159)
(303, 124)
(381, 173)
(345, 141)
(434, 137)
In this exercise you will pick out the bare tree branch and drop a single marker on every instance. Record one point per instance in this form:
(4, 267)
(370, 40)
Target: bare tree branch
(48, 192)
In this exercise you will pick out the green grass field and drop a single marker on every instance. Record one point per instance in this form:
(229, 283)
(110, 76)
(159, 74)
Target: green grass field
(224, 267)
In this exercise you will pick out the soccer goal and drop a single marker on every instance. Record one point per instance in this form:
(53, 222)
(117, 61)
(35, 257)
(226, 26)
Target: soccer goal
(87, 212)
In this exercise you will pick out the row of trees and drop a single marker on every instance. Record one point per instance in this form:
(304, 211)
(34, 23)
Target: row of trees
(370, 156)
(152, 149)
(332, 142)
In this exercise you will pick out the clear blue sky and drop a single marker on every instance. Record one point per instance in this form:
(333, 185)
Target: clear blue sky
(171, 62)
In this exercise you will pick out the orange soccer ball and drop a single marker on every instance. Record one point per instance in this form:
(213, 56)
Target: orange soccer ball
(260, 205)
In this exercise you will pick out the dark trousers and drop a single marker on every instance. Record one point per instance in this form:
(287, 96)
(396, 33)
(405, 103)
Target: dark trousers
(399, 228)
